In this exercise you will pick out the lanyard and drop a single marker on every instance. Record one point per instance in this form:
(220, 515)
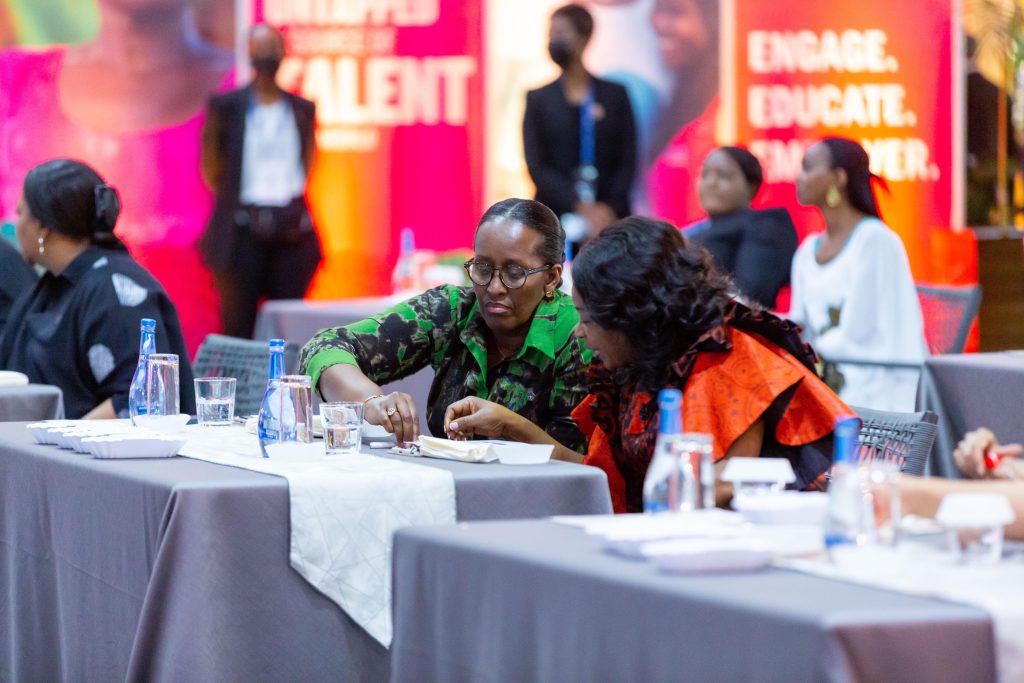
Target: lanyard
(587, 125)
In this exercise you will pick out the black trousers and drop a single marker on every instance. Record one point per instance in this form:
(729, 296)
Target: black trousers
(264, 270)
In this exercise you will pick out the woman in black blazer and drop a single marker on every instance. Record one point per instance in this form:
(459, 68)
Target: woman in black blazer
(552, 130)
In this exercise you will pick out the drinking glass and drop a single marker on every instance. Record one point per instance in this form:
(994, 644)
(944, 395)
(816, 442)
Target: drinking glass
(884, 478)
(162, 397)
(289, 427)
(343, 424)
(215, 401)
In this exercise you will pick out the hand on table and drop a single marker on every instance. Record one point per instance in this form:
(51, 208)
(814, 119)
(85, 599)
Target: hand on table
(474, 416)
(970, 456)
(396, 413)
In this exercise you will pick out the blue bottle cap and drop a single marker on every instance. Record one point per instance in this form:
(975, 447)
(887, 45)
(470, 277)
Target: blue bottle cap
(275, 343)
(670, 405)
(148, 325)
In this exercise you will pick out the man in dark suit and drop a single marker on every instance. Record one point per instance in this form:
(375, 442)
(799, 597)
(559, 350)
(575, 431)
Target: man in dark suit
(258, 147)
(579, 135)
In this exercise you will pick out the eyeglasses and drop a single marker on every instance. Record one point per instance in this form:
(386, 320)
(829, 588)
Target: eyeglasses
(512, 276)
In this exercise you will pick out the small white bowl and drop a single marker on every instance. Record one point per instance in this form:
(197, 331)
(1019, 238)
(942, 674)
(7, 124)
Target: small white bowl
(165, 424)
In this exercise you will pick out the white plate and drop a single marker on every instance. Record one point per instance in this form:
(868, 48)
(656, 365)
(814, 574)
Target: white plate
(42, 432)
(510, 453)
(714, 561)
(783, 507)
(120, 446)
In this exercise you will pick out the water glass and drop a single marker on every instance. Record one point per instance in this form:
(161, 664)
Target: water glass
(884, 478)
(162, 397)
(215, 401)
(286, 416)
(343, 424)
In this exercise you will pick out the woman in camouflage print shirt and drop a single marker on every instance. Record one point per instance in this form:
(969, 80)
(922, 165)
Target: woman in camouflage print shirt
(508, 338)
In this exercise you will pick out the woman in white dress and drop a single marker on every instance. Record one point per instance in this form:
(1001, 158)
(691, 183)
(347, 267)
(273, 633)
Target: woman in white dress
(853, 292)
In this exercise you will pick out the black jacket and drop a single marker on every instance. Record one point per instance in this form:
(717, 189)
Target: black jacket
(755, 247)
(551, 142)
(226, 126)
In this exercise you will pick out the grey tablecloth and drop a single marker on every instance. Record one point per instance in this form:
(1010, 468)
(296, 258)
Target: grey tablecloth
(32, 402)
(177, 569)
(537, 601)
(296, 321)
(971, 391)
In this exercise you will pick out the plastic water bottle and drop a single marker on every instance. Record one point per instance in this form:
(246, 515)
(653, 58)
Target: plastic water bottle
(137, 404)
(404, 276)
(849, 517)
(269, 421)
(566, 285)
(670, 484)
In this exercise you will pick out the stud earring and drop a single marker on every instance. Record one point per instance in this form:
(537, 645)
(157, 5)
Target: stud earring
(42, 247)
(832, 197)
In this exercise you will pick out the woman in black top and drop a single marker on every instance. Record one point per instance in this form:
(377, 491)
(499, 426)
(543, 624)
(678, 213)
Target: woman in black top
(755, 247)
(78, 328)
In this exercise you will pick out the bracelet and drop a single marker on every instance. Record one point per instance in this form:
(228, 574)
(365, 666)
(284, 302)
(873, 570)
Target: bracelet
(370, 398)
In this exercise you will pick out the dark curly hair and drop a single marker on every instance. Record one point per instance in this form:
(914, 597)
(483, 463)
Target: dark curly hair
(640, 277)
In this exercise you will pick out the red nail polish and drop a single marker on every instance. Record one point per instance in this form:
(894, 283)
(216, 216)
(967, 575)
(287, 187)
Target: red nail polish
(992, 459)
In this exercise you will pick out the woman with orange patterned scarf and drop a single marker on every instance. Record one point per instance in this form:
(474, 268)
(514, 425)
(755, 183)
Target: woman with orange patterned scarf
(656, 314)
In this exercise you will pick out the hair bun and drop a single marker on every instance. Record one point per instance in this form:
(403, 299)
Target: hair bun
(108, 208)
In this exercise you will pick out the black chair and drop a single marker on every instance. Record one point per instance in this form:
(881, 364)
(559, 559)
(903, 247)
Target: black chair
(903, 437)
(247, 361)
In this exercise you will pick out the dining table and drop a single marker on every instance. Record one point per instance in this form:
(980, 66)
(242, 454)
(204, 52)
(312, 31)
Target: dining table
(539, 600)
(177, 569)
(31, 402)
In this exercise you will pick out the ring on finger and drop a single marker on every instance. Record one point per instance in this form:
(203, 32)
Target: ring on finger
(391, 411)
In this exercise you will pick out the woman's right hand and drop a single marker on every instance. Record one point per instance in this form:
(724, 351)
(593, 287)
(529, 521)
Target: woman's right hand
(474, 416)
(971, 451)
(396, 413)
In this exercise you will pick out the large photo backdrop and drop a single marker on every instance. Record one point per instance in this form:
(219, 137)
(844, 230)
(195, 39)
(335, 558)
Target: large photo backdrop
(420, 108)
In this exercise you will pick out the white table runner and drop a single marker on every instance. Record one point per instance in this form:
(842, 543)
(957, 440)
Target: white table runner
(344, 512)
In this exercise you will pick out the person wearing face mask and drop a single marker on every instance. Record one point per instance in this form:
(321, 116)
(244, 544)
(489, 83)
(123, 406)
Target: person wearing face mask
(755, 247)
(579, 135)
(258, 145)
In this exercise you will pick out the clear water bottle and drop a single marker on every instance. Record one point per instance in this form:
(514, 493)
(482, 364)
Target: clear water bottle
(849, 520)
(670, 484)
(405, 277)
(269, 421)
(137, 403)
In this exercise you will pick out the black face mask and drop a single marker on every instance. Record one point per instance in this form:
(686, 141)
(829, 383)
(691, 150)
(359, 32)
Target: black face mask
(266, 65)
(560, 52)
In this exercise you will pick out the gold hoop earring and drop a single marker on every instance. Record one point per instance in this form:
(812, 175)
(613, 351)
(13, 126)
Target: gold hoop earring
(550, 295)
(42, 247)
(832, 197)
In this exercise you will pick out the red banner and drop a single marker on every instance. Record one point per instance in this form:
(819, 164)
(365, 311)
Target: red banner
(793, 72)
(398, 87)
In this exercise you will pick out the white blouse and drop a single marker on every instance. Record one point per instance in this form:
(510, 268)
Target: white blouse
(862, 305)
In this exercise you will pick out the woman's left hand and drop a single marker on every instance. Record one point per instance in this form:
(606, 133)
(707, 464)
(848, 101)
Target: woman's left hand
(474, 416)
